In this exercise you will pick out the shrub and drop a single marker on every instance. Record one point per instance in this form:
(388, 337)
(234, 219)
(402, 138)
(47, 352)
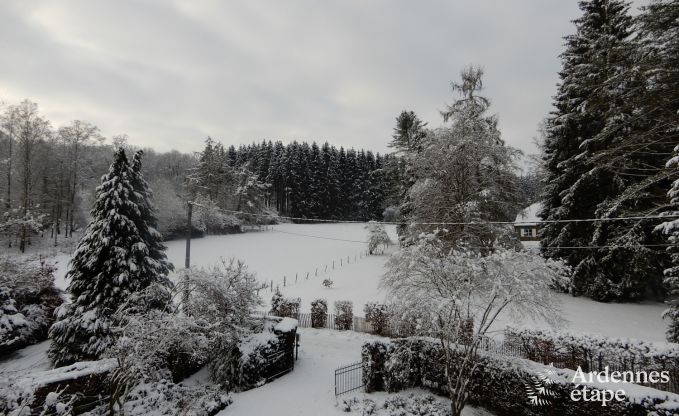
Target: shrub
(344, 314)
(377, 315)
(327, 283)
(28, 299)
(410, 405)
(285, 307)
(163, 397)
(319, 313)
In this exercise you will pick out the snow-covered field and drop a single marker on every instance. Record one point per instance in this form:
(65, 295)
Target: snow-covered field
(297, 249)
(293, 251)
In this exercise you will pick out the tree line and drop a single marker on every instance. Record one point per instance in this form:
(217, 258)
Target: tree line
(49, 175)
(299, 179)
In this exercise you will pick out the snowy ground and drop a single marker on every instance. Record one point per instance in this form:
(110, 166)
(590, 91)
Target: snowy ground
(293, 251)
(297, 249)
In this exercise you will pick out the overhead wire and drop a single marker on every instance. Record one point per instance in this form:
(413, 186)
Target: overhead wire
(565, 221)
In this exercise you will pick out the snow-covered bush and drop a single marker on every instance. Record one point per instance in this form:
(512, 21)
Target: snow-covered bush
(225, 296)
(409, 318)
(319, 313)
(410, 405)
(327, 283)
(500, 385)
(13, 222)
(28, 299)
(378, 239)
(226, 293)
(79, 386)
(163, 397)
(462, 292)
(377, 314)
(344, 314)
(285, 307)
(158, 345)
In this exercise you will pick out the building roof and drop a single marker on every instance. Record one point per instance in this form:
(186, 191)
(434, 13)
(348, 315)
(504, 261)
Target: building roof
(529, 216)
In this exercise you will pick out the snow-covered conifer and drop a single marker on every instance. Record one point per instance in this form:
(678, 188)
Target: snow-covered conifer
(112, 261)
(671, 280)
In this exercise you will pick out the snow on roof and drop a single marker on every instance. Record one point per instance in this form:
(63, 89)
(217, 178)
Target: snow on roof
(529, 216)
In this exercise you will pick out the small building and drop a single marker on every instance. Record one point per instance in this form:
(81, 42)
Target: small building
(526, 223)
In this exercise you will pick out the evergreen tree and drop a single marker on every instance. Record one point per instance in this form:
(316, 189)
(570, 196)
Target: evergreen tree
(157, 266)
(112, 262)
(592, 116)
(671, 229)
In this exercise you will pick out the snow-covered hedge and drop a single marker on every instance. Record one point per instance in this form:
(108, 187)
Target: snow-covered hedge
(500, 382)
(28, 298)
(285, 307)
(167, 398)
(377, 314)
(344, 314)
(57, 391)
(259, 357)
(593, 352)
(319, 313)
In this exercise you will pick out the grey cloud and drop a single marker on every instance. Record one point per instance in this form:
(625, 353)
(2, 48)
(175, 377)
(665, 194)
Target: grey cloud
(169, 73)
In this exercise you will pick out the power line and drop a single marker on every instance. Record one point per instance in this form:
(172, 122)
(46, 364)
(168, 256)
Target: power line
(320, 237)
(527, 248)
(578, 220)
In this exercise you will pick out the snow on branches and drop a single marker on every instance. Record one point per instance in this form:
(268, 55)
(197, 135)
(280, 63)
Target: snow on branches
(462, 293)
(378, 239)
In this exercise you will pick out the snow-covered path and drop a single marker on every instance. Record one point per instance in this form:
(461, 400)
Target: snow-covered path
(26, 360)
(309, 389)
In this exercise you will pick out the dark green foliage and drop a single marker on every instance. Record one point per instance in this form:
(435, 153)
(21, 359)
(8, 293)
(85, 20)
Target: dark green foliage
(604, 156)
(311, 181)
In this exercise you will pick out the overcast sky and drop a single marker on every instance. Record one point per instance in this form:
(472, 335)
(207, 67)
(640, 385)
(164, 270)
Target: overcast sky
(170, 73)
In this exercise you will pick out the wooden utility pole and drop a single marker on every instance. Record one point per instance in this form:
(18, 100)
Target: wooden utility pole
(187, 258)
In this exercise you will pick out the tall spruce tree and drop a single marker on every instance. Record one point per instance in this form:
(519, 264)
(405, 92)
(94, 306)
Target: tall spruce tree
(671, 229)
(117, 257)
(590, 107)
(407, 138)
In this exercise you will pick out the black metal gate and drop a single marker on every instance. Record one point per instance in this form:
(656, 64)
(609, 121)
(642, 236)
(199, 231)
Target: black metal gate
(349, 378)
